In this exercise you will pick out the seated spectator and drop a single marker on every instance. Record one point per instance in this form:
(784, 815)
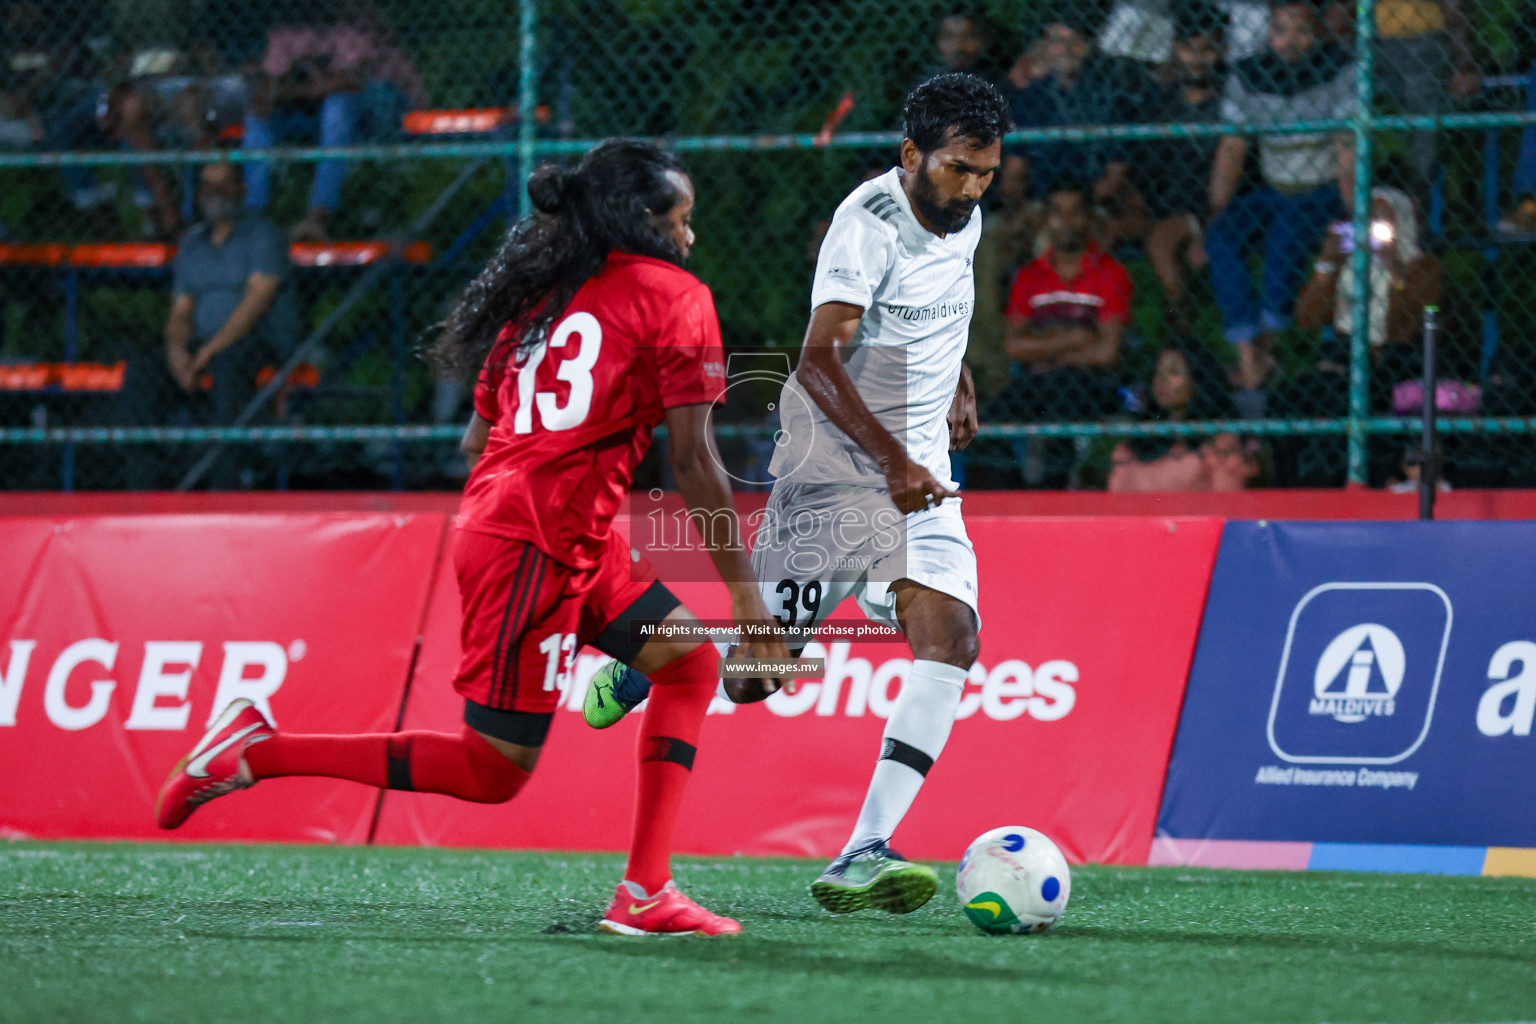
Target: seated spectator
(962, 43)
(1308, 182)
(1411, 470)
(1066, 313)
(1173, 175)
(1186, 386)
(337, 84)
(1520, 218)
(1075, 86)
(52, 89)
(1145, 29)
(1424, 62)
(171, 99)
(1403, 280)
(230, 314)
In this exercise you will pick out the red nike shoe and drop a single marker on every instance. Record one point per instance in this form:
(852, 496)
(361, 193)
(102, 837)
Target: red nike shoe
(669, 912)
(215, 766)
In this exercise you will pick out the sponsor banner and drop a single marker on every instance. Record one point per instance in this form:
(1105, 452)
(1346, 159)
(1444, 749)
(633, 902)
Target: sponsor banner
(1065, 724)
(124, 636)
(1359, 688)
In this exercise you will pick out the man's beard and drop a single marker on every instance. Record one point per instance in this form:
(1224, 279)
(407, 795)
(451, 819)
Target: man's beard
(945, 218)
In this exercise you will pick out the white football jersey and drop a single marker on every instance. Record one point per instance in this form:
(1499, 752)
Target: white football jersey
(917, 290)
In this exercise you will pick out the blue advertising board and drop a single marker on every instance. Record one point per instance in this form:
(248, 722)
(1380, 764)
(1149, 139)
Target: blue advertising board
(1359, 686)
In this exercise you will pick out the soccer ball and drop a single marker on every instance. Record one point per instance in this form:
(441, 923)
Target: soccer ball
(1013, 880)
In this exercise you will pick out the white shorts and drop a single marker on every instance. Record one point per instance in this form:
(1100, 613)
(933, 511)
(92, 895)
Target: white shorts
(819, 543)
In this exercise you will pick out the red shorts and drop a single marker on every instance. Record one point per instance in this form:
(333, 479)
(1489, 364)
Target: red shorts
(526, 616)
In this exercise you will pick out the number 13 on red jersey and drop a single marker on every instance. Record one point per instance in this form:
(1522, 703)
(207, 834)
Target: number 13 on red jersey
(576, 371)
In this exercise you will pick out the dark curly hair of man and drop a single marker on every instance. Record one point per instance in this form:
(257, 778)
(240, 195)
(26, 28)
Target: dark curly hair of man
(955, 105)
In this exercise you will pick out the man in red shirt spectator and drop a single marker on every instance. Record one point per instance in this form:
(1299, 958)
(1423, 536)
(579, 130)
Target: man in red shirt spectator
(1066, 315)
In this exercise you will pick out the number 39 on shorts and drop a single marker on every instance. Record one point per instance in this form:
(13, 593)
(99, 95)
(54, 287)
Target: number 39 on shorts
(795, 597)
(577, 371)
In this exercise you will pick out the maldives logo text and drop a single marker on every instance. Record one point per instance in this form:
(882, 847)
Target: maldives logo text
(1359, 673)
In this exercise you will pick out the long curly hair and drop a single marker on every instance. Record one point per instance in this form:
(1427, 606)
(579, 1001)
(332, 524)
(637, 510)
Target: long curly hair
(583, 213)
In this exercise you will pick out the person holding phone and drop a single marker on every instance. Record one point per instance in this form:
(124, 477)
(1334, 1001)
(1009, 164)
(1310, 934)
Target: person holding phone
(1403, 280)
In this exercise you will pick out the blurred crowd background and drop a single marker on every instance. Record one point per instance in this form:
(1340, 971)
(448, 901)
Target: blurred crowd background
(226, 230)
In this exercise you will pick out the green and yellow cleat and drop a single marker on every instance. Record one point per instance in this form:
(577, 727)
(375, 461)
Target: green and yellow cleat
(874, 878)
(602, 706)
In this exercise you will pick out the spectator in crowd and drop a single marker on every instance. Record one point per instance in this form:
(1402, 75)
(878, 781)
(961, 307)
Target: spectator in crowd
(172, 98)
(334, 81)
(1173, 175)
(1424, 61)
(1403, 280)
(230, 313)
(1072, 85)
(1186, 386)
(963, 43)
(1067, 312)
(1520, 219)
(1145, 29)
(52, 86)
(1308, 181)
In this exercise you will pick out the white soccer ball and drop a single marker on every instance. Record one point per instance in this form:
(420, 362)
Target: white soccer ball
(1013, 880)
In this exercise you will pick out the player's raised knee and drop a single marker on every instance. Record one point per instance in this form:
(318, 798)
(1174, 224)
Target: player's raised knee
(960, 649)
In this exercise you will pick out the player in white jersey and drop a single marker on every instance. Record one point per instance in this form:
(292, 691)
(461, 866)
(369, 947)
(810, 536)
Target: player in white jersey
(863, 503)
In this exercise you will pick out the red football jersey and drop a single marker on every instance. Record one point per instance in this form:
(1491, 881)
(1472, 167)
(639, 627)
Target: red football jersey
(572, 420)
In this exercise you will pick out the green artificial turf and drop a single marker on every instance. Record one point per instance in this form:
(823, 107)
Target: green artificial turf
(259, 933)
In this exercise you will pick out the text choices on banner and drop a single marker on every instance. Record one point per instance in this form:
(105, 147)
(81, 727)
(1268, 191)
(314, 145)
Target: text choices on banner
(1362, 683)
(127, 634)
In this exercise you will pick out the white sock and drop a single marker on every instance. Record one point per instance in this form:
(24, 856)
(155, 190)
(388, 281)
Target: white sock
(915, 735)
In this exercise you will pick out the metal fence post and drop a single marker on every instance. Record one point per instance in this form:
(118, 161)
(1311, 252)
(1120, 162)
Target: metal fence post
(1429, 464)
(1360, 318)
(527, 100)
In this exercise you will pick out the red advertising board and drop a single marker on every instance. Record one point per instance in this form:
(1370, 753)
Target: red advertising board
(125, 634)
(1066, 726)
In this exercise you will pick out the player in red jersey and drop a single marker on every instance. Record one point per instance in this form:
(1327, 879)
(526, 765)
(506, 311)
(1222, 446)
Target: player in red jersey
(596, 336)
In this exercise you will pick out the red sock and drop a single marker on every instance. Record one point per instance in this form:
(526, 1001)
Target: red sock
(669, 736)
(464, 766)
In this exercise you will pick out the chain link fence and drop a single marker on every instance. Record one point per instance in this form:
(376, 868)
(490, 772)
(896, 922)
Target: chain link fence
(1205, 262)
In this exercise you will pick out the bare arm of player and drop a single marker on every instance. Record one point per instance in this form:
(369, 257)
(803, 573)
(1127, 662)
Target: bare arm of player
(822, 375)
(707, 492)
(475, 435)
(962, 412)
